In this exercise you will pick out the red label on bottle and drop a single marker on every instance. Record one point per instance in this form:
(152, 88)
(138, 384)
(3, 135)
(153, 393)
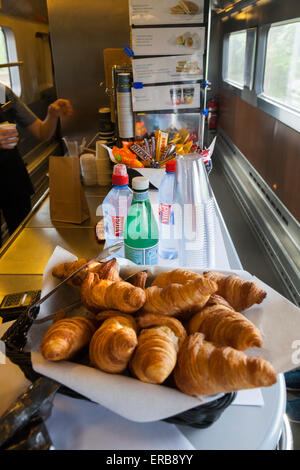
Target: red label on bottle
(164, 213)
(118, 224)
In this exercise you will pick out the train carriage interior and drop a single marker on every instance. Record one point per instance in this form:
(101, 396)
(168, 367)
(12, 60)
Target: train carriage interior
(52, 49)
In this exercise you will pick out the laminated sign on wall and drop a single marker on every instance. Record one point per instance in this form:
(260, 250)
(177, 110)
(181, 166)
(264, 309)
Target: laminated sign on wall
(168, 69)
(166, 97)
(144, 12)
(168, 41)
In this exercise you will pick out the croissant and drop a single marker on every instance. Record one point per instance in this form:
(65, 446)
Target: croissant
(177, 276)
(101, 316)
(113, 343)
(218, 300)
(225, 327)
(66, 337)
(149, 319)
(239, 293)
(205, 369)
(178, 299)
(107, 270)
(156, 354)
(139, 279)
(97, 295)
(64, 270)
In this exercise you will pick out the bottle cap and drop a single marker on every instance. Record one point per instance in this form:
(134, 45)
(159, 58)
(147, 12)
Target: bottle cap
(140, 183)
(120, 176)
(171, 166)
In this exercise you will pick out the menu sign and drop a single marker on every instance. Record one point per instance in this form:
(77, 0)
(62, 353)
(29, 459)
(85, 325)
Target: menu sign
(157, 12)
(168, 41)
(168, 69)
(165, 97)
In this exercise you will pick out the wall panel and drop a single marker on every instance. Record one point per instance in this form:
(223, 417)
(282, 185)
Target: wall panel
(79, 33)
(270, 146)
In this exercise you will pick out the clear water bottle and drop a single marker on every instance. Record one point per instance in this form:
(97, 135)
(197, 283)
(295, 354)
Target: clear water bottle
(141, 230)
(168, 245)
(116, 206)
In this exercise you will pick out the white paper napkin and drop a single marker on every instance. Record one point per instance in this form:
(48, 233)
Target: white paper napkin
(92, 427)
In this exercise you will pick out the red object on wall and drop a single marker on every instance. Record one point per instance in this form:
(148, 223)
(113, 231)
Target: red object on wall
(212, 114)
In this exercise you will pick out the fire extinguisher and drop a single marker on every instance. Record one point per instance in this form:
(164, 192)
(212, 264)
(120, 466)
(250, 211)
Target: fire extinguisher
(212, 114)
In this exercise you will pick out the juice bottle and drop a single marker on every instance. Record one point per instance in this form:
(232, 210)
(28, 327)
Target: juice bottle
(141, 231)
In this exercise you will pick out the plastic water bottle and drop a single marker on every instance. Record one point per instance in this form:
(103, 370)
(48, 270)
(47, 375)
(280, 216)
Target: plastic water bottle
(116, 206)
(168, 245)
(141, 230)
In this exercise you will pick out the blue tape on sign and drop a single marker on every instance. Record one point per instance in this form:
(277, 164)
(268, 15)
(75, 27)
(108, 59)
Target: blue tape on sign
(138, 85)
(205, 112)
(128, 51)
(207, 83)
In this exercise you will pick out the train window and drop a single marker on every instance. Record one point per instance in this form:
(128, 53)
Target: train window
(9, 64)
(4, 71)
(282, 64)
(234, 55)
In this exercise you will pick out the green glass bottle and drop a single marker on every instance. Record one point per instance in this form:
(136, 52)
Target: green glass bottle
(141, 234)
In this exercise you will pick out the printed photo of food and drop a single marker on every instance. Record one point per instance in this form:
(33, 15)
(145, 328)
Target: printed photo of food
(188, 66)
(184, 7)
(190, 40)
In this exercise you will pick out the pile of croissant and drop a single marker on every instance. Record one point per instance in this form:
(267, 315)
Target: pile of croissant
(186, 327)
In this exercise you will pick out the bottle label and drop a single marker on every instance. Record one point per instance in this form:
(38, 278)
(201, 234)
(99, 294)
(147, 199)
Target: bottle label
(142, 196)
(165, 211)
(166, 214)
(118, 225)
(142, 256)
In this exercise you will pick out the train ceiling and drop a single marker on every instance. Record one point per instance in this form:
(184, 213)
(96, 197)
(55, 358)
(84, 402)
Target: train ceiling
(226, 7)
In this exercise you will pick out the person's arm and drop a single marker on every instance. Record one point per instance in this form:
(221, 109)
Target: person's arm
(44, 130)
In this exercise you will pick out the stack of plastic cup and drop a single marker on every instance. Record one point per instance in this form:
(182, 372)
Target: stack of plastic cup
(9, 126)
(194, 213)
(103, 164)
(88, 169)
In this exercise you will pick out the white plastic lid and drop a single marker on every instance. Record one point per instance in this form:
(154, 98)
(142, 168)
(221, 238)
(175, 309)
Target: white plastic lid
(140, 183)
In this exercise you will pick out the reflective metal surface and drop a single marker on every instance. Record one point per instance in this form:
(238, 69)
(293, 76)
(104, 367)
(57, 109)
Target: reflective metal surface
(42, 218)
(32, 249)
(286, 441)
(274, 226)
(79, 33)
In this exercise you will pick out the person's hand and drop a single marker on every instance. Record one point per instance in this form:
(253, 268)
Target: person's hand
(8, 138)
(60, 108)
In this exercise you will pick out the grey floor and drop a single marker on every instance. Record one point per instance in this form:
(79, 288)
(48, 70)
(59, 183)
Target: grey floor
(252, 255)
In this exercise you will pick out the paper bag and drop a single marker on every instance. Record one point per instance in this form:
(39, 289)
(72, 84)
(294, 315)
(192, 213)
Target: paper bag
(67, 199)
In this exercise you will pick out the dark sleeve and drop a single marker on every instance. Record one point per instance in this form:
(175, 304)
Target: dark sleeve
(23, 115)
